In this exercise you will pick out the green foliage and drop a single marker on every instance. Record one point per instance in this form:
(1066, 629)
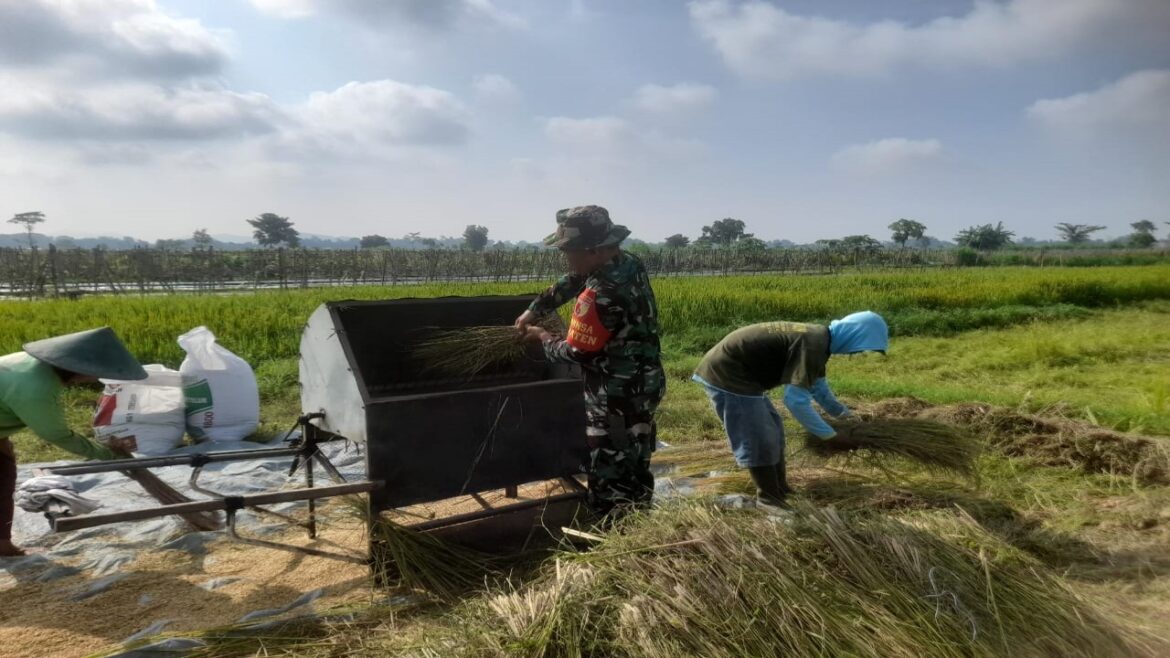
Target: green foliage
(906, 229)
(966, 257)
(677, 241)
(1143, 234)
(201, 238)
(373, 241)
(1077, 233)
(985, 237)
(271, 229)
(475, 237)
(28, 220)
(724, 232)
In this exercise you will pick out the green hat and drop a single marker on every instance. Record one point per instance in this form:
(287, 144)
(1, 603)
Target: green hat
(585, 227)
(97, 353)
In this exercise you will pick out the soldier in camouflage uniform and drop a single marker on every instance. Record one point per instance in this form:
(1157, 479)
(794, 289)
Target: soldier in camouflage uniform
(613, 336)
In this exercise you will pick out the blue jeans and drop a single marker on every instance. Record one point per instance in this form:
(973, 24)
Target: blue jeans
(753, 426)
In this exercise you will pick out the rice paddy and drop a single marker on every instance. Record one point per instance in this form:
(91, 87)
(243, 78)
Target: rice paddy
(1051, 387)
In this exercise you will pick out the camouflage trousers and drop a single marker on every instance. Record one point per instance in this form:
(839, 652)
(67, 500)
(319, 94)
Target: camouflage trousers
(621, 438)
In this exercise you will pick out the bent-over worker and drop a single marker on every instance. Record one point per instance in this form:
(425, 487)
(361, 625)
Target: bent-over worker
(30, 397)
(613, 336)
(740, 370)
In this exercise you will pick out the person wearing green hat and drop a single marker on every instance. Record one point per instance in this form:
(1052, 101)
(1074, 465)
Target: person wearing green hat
(31, 382)
(613, 336)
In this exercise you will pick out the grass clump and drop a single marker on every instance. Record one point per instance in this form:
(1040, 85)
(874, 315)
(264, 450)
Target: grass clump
(693, 580)
(934, 446)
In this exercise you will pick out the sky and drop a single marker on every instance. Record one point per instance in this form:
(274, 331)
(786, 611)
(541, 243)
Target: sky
(806, 119)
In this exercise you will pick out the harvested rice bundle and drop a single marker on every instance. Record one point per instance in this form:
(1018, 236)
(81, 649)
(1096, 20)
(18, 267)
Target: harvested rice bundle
(467, 351)
(422, 562)
(934, 446)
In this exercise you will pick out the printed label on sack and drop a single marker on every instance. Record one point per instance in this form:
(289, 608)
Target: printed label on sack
(198, 397)
(586, 332)
(104, 415)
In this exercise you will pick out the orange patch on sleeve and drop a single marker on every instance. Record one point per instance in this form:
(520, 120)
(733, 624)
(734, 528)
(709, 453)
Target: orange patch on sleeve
(586, 332)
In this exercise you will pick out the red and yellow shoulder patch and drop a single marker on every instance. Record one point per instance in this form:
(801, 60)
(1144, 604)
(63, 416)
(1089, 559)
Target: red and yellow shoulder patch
(586, 332)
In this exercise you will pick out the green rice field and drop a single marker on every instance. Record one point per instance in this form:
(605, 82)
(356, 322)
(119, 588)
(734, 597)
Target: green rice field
(1079, 555)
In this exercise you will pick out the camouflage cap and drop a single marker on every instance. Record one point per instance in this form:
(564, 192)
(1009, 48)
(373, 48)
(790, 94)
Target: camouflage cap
(585, 227)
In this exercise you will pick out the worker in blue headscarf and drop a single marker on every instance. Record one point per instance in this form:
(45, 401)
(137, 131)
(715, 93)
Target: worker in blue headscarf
(740, 370)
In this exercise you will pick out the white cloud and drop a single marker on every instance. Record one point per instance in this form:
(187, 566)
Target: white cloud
(430, 14)
(528, 169)
(496, 89)
(287, 9)
(1138, 102)
(616, 140)
(594, 134)
(108, 37)
(111, 123)
(375, 119)
(131, 111)
(759, 39)
(683, 98)
(888, 155)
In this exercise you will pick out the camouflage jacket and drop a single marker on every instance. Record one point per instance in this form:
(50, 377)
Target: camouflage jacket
(613, 333)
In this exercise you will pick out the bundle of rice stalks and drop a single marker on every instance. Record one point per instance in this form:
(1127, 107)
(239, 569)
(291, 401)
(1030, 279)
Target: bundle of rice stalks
(692, 580)
(426, 564)
(467, 351)
(937, 447)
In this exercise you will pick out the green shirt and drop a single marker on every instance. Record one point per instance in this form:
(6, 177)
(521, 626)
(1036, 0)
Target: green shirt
(30, 396)
(758, 357)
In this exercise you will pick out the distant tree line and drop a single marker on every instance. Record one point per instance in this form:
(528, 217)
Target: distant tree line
(271, 230)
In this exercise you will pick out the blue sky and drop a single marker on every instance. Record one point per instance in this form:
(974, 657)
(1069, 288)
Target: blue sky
(806, 119)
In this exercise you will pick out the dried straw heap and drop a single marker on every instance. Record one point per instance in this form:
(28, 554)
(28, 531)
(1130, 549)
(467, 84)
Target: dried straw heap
(693, 580)
(690, 579)
(1049, 438)
(468, 351)
(937, 447)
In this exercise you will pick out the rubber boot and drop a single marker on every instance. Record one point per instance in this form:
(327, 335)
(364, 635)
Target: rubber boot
(767, 485)
(782, 476)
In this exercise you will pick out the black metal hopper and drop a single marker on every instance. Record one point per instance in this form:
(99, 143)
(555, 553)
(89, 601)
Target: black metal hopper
(432, 436)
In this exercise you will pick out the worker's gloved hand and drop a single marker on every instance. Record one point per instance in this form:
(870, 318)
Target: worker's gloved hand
(524, 322)
(847, 433)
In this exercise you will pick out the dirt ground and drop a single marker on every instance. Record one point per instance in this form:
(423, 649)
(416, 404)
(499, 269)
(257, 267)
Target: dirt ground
(40, 619)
